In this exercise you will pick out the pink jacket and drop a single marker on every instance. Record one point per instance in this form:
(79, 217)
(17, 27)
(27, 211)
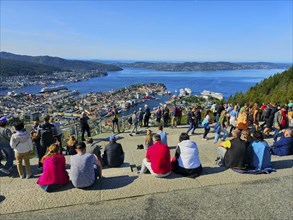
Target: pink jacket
(54, 171)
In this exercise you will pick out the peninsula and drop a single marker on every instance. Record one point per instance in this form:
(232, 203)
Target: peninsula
(204, 66)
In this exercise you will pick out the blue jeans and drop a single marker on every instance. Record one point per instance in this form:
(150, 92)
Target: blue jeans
(9, 154)
(219, 133)
(277, 131)
(191, 126)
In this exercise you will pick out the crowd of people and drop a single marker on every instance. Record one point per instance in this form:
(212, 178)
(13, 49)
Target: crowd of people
(247, 149)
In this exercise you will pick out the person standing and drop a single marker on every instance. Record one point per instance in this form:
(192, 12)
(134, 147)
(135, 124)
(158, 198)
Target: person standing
(159, 115)
(22, 144)
(191, 120)
(36, 141)
(134, 123)
(5, 135)
(206, 125)
(166, 115)
(46, 132)
(115, 118)
(175, 115)
(223, 125)
(140, 117)
(57, 126)
(147, 115)
(84, 125)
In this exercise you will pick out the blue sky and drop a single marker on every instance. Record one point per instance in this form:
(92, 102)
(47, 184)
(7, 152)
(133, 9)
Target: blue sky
(150, 30)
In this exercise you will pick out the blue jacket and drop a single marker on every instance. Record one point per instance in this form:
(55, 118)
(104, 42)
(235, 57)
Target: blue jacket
(259, 155)
(283, 147)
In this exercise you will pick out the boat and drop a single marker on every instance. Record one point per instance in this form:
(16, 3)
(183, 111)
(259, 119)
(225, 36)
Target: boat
(53, 89)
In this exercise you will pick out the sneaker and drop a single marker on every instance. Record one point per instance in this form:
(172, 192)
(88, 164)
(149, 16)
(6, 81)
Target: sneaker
(130, 134)
(5, 171)
(21, 176)
(204, 139)
(28, 176)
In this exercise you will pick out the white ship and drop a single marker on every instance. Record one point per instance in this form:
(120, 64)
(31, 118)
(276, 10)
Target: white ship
(53, 89)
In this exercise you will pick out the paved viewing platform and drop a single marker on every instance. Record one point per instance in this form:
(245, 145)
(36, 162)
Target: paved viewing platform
(123, 194)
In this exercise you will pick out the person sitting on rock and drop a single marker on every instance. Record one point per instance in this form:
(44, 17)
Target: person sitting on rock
(54, 172)
(157, 159)
(233, 153)
(284, 146)
(113, 154)
(94, 148)
(85, 168)
(187, 160)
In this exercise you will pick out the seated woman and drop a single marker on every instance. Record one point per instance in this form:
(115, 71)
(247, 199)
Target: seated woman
(284, 146)
(71, 145)
(259, 153)
(148, 139)
(187, 160)
(54, 172)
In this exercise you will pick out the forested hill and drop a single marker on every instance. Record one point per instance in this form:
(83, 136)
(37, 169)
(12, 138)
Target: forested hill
(61, 63)
(277, 88)
(204, 66)
(17, 68)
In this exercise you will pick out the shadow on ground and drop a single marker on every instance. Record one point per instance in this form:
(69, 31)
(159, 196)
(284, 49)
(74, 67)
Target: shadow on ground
(282, 164)
(117, 182)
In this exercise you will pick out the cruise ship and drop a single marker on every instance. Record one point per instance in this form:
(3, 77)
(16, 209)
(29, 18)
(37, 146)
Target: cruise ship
(53, 89)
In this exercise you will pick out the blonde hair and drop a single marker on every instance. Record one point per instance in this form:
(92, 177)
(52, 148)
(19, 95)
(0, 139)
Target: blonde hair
(53, 149)
(149, 135)
(71, 141)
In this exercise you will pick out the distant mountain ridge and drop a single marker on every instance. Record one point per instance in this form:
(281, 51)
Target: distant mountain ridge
(61, 63)
(203, 66)
(22, 68)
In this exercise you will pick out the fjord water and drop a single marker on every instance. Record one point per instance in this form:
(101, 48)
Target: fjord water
(224, 81)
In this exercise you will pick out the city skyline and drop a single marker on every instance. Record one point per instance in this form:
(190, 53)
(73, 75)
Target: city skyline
(238, 31)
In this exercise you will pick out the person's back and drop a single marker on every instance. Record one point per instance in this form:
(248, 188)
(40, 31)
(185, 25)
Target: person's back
(163, 135)
(260, 156)
(94, 148)
(53, 170)
(5, 135)
(159, 156)
(113, 154)
(82, 170)
(236, 156)
(46, 132)
(188, 157)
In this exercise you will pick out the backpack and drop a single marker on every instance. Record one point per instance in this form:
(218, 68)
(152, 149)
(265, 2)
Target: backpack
(242, 121)
(47, 137)
(267, 112)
